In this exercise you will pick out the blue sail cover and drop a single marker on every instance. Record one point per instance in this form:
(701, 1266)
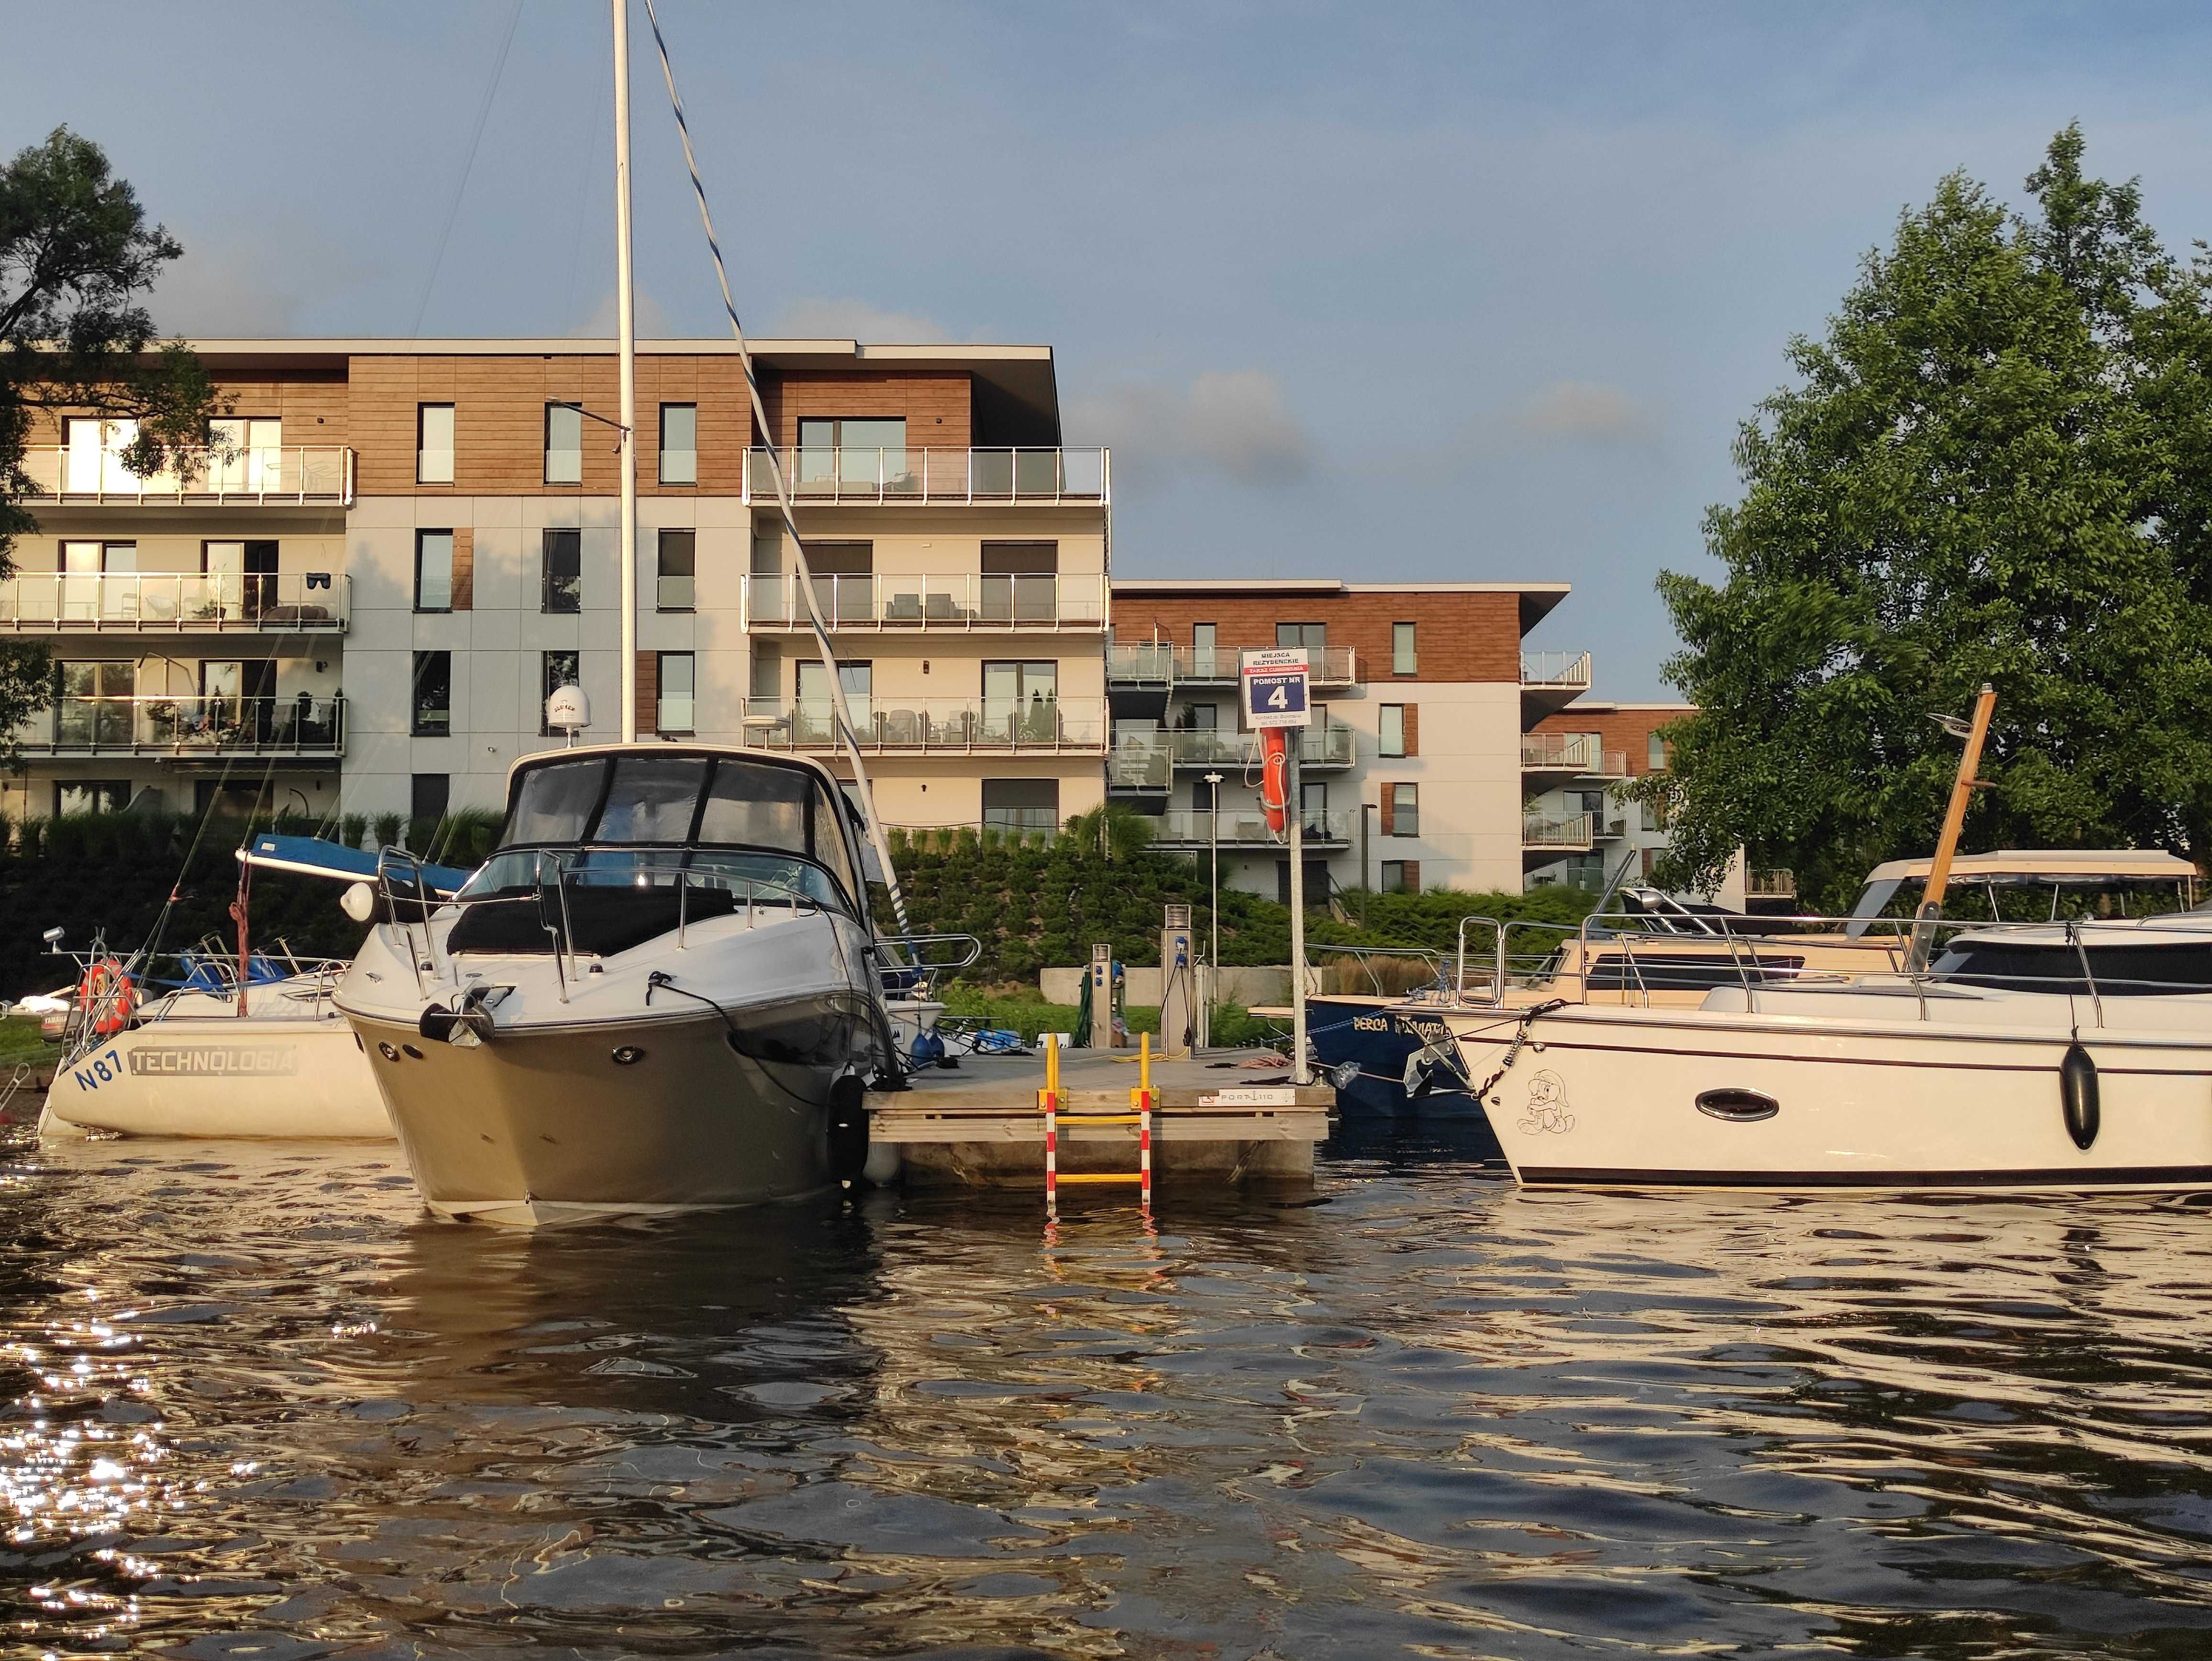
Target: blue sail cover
(311, 856)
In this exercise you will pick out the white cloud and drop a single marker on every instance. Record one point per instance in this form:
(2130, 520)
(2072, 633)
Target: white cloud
(856, 319)
(1238, 422)
(232, 283)
(652, 321)
(1584, 411)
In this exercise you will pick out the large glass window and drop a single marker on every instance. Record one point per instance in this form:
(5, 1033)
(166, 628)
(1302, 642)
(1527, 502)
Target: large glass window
(758, 806)
(652, 798)
(1204, 643)
(1314, 636)
(553, 803)
(1404, 658)
(1021, 805)
(1021, 700)
(853, 451)
(245, 453)
(91, 795)
(434, 695)
(563, 567)
(433, 570)
(679, 444)
(1392, 738)
(679, 687)
(95, 707)
(1405, 810)
(678, 560)
(434, 444)
(564, 444)
(815, 719)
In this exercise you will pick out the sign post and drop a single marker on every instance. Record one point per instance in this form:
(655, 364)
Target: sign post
(1275, 686)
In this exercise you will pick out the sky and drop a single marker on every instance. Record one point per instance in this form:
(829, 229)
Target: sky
(1389, 292)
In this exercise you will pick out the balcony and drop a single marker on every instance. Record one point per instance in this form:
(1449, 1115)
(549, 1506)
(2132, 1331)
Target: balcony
(161, 602)
(1330, 745)
(903, 478)
(294, 476)
(1142, 762)
(933, 725)
(1575, 833)
(1550, 681)
(1246, 827)
(960, 604)
(185, 728)
(1160, 662)
(1771, 886)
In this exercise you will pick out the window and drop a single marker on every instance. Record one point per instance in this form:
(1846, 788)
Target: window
(1021, 805)
(430, 796)
(1021, 703)
(245, 453)
(1019, 585)
(1655, 754)
(679, 686)
(433, 570)
(1587, 801)
(679, 444)
(1405, 814)
(564, 444)
(767, 669)
(1199, 718)
(1317, 883)
(85, 597)
(815, 720)
(243, 576)
(94, 707)
(563, 565)
(93, 461)
(849, 451)
(1404, 658)
(434, 444)
(91, 795)
(1655, 816)
(671, 589)
(559, 669)
(1393, 740)
(1313, 808)
(1402, 876)
(1202, 797)
(432, 701)
(1204, 640)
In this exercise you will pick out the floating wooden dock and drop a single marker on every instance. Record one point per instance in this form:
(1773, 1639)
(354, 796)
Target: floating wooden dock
(1215, 1120)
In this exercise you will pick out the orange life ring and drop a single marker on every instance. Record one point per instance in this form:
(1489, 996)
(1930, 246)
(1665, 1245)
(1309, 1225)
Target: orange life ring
(1274, 776)
(106, 996)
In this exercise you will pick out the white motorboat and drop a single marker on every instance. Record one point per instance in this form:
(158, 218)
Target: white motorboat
(662, 992)
(2069, 1056)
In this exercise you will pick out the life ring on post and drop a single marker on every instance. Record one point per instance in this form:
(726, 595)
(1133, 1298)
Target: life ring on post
(107, 997)
(1275, 776)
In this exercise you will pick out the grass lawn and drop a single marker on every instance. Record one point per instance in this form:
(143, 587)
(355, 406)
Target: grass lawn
(20, 1042)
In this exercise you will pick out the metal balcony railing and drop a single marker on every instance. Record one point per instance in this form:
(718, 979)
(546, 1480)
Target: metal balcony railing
(1556, 669)
(958, 603)
(1193, 827)
(1771, 885)
(1162, 661)
(184, 726)
(1582, 754)
(292, 474)
(142, 602)
(840, 475)
(1140, 760)
(1573, 834)
(674, 594)
(1064, 725)
(1318, 746)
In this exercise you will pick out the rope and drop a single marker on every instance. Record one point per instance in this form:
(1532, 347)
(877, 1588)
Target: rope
(468, 167)
(782, 490)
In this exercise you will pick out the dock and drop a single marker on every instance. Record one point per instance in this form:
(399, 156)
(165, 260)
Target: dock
(1216, 1120)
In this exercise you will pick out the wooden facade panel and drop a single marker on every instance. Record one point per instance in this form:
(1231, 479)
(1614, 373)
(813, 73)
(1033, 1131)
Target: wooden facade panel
(1460, 636)
(1412, 729)
(939, 408)
(464, 569)
(1628, 731)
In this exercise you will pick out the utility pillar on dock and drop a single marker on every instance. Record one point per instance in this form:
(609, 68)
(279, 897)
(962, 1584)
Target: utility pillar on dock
(1179, 1000)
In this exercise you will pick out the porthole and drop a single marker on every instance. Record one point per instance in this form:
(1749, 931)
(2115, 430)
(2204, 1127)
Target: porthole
(413, 1054)
(628, 1055)
(387, 1052)
(1737, 1106)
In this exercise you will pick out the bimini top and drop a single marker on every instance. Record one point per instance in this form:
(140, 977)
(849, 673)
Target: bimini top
(663, 747)
(2039, 866)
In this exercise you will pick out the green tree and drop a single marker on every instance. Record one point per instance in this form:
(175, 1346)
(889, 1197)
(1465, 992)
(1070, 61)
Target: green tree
(76, 255)
(1977, 478)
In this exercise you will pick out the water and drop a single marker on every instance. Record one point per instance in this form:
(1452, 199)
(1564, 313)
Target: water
(259, 1408)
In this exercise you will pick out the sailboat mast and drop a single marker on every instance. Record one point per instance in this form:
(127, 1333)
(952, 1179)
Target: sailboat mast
(626, 326)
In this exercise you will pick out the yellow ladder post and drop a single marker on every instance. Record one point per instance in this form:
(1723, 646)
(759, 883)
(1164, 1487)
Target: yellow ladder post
(1139, 1117)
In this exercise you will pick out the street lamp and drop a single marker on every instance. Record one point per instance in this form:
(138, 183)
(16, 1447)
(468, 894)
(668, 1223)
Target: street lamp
(1365, 808)
(1214, 796)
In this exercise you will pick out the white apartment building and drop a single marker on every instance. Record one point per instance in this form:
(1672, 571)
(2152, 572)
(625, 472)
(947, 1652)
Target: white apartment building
(359, 598)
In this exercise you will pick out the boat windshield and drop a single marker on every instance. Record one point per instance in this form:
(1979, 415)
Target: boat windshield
(2027, 897)
(749, 877)
(638, 818)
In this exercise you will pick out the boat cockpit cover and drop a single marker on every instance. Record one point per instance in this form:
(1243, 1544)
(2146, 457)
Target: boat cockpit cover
(311, 856)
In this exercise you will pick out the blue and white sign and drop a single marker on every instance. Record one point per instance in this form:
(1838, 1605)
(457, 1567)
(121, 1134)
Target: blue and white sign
(1275, 687)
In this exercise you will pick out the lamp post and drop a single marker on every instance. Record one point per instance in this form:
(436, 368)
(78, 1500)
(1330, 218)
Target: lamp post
(1365, 890)
(1213, 960)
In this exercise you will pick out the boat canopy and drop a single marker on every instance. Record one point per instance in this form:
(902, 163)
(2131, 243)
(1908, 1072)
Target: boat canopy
(2056, 867)
(311, 856)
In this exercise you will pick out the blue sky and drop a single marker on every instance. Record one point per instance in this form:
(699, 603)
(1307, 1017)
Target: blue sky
(1388, 292)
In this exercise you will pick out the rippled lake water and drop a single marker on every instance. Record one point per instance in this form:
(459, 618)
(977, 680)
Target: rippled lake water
(258, 1406)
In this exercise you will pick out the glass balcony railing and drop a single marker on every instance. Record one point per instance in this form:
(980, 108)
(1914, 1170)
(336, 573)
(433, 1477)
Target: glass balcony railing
(218, 724)
(1583, 754)
(294, 474)
(1575, 832)
(815, 474)
(970, 724)
(1194, 827)
(1140, 760)
(46, 602)
(956, 603)
(673, 594)
(1318, 746)
(1152, 661)
(1559, 669)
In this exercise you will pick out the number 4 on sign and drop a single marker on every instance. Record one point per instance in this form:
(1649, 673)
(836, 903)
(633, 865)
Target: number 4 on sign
(1280, 697)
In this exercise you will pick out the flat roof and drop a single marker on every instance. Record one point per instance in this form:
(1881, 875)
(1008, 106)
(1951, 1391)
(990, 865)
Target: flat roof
(1537, 598)
(1586, 706)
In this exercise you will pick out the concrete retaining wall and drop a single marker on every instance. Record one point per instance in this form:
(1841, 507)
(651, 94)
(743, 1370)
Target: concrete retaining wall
(1238, 985)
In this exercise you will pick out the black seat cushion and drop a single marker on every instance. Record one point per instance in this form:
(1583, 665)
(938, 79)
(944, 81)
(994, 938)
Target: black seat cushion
(606, 919)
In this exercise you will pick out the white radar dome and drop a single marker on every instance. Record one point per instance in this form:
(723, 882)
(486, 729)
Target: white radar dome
(568, 709)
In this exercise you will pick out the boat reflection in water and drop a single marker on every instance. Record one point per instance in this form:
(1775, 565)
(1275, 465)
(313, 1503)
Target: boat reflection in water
(661, 991)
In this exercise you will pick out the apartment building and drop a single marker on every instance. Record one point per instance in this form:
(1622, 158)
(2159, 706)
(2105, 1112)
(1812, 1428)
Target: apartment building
(362, 594)
(1580, 755)
(1416, 769)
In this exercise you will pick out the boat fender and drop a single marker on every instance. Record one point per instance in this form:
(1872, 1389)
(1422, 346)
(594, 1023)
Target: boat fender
(928, 1050)
(848, 1129)
(2077, 1095)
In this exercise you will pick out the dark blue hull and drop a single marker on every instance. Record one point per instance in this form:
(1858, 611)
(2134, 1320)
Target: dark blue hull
(1381, 1036)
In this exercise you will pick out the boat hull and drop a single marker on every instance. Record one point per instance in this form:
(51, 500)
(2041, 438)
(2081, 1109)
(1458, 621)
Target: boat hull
(1624, 1098)
(223, 1077)
(540, 1124)
(1380, 1035)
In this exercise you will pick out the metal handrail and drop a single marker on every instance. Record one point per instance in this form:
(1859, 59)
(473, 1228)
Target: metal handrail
(185, 602)
(966, 602)
(261, 475)
(924, 474)
(1361, 954)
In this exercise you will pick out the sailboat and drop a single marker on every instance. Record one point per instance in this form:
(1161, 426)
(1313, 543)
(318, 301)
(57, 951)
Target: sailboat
(664, 990)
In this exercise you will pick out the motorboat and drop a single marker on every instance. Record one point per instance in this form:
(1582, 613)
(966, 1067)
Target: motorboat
(216, 1043)
(2069, 1056)
(1385, 1039)
(663, 991)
